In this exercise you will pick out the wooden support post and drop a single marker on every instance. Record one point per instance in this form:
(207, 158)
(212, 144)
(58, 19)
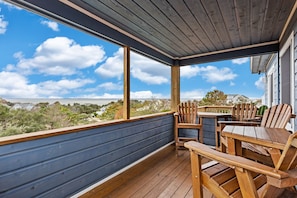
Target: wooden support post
(126, 104)
(175, 87)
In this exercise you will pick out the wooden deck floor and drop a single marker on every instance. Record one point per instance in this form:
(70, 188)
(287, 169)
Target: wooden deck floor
(168, 177)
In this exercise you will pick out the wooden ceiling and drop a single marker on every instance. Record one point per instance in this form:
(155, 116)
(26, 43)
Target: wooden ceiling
(178, 32)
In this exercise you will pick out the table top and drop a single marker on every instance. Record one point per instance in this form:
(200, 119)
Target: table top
(269, 137)
(213, 114)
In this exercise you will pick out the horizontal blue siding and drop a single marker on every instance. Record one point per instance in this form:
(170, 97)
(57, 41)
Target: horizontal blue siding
(62, 165)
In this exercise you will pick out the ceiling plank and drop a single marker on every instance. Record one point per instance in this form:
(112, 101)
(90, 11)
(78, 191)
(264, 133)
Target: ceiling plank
(202, 17)
(229, 16)
(243, 19)
(217, 20)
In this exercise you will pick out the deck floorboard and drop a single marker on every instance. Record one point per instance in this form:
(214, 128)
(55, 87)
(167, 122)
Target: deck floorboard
(169, 177)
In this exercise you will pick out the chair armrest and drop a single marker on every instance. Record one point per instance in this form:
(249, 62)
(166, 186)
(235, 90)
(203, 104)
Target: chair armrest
(176, 114)
(245, 123)
(234, 161)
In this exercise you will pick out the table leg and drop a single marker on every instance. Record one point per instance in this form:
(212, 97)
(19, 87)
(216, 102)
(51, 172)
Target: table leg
(234, 146)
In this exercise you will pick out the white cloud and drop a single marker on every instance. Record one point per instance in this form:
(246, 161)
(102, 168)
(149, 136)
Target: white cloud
(142, 68)
(189, 71)
(193, 94)
(51, 24)
(113, 66)
(10, 6)
(60, 56)
(210, 73)
(240, 61)
(149, 71)
(133, 95)
(14, 85)
(213, 74)
(3, 25)
(110, 86)
(260, 83)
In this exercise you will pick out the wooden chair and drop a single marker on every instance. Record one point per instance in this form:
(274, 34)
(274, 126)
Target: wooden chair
(235, 176)
(275, 117)
(186, 117)
(242, 114)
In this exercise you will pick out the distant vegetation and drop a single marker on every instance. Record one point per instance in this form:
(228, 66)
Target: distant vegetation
(17, 119)
(25, 118)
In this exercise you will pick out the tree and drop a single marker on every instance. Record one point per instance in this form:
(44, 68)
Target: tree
(214, 97)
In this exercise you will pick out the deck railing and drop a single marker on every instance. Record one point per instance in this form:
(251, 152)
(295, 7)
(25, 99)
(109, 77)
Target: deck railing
(62, 163)
(216, 109)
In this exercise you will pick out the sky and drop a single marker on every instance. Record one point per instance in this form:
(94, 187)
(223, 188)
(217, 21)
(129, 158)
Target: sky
(40, 58)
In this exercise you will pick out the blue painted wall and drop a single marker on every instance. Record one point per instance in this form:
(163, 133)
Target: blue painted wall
(62, 165)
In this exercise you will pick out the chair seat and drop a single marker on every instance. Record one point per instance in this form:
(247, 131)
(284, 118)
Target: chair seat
(223, 178)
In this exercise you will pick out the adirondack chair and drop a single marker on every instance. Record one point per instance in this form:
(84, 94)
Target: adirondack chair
(275, 117)
(235, 176)
(186, 117)
(244, 111)
(242, 114)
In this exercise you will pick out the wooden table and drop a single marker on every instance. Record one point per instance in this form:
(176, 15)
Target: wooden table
(212, 126)
(273, 138)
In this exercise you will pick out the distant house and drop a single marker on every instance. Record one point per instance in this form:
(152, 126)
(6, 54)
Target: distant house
(237, 98)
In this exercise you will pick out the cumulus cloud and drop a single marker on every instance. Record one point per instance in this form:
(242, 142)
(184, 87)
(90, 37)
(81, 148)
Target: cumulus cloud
(142, 68)
(110, 86)
(189, 71)
(60, 56)
(112, 67)
(133, 95)
(260, 83)
(240, 61)
(213, 74)
(10, 6)
(51, 24)
(3, 25)
(149, 71)
(210, 73)
(15, 85)
(193, 94)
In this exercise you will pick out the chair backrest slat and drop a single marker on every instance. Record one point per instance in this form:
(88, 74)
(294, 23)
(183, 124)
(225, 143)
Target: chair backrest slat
(187, 112)
(277, 116)
(243, 111)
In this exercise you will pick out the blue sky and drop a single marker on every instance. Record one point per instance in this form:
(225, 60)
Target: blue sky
(41, 58)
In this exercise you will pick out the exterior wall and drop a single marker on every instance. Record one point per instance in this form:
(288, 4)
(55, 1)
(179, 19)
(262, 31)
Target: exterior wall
(60, 166)
(292, 27)
(273, 72)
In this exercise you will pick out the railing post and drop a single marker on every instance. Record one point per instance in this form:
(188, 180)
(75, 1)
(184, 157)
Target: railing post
(126, 104)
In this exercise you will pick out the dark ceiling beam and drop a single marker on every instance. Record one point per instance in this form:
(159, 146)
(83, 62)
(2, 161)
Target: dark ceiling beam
(240, 53)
